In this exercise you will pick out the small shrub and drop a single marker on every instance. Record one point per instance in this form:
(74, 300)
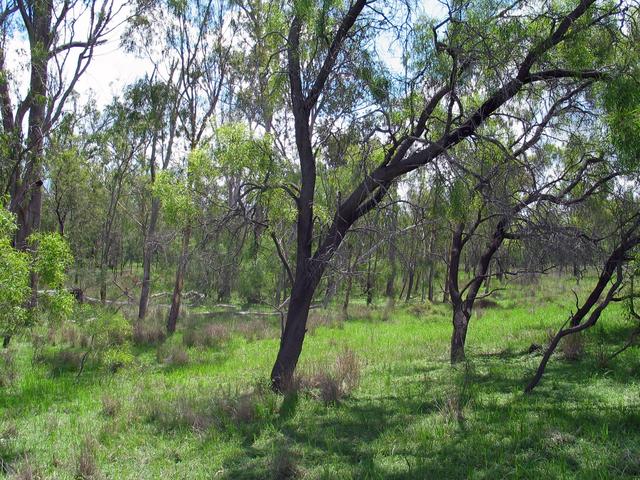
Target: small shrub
(110, 405)
(116, 358)
(8, 368)
(145, 334)
(86, 466)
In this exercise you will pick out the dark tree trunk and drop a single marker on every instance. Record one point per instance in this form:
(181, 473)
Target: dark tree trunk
(294, 331)
(410, 284)
(459, 336)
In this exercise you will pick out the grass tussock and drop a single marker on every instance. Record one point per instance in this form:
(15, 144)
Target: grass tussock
(332, 384)
(145, 334)
(209, 335)
(110, 405)
(172, 354)
(86, 466)
(8, 368)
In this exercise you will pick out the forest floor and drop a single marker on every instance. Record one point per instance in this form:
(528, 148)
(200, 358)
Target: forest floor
(179, 411)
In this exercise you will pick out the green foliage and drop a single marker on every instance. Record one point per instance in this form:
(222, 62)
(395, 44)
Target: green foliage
(178, 202)
(105, 327)
(52, 258)
(622, 102)
(14, 279)
(116, 358)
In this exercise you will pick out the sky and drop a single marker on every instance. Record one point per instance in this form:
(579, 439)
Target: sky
(112, 68)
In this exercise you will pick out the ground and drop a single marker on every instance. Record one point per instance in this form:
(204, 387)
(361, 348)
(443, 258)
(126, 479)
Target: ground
(207, 412)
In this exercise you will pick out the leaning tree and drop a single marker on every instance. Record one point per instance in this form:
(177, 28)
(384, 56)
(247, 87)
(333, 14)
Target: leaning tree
(452, 98)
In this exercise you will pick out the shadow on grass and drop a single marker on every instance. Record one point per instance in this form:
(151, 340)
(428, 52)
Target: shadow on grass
(563, 430)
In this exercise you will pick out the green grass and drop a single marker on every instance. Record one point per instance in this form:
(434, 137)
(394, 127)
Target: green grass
(413, 415)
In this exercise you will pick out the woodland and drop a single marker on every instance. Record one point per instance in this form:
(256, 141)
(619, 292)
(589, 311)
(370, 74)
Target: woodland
(320, 239)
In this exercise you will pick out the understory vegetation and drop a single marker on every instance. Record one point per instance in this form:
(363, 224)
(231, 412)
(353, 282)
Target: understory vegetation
(375, 397)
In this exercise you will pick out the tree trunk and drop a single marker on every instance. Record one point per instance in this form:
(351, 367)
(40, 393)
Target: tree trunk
(176, 299)
(294, 331)
(147, 257)
(410, 284)
(458, 338)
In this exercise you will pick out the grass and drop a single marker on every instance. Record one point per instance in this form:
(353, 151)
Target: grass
(411, 415)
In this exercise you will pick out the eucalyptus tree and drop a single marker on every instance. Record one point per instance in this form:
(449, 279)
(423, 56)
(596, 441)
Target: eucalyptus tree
(154, 105)
(58, 53)
(463, 81)
(116, 147)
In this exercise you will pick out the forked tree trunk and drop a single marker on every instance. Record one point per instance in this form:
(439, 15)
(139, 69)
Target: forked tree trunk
(459, 335)
(176, 299)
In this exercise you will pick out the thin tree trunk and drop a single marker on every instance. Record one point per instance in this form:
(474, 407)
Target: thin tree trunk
(147, 257)
(176, 299)
(459, 335)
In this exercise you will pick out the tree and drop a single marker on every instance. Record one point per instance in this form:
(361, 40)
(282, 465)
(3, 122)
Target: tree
(531, 63)
(59, 53)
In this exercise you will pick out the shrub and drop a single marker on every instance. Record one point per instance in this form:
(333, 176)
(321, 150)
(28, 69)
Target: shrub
(116, 358)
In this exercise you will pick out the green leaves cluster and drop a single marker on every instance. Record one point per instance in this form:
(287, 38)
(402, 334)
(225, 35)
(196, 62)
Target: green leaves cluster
(49, 261)
(14, 278)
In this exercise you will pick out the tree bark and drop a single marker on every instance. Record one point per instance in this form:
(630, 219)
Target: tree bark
(147, 257)
(459, 336)
(176, 299)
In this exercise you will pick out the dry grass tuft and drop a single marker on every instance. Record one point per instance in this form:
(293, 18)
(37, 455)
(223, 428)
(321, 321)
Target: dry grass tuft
(572, 347)
(8, 368)
(146, 334)
(210, 335)
(86, 466)
(110, 405)
(172, 355)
